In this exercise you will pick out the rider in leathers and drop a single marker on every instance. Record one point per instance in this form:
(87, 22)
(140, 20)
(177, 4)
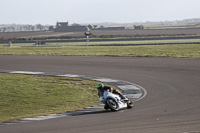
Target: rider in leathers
(101, 88)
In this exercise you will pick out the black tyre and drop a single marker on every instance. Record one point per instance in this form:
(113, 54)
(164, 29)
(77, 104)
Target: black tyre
(112, 104)
(129, 104)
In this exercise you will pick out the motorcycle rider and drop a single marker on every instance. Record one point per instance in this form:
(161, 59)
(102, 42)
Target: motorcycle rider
(101, 88)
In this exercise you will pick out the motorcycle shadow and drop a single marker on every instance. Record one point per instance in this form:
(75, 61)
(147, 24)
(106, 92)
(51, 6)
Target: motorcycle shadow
(91, 112)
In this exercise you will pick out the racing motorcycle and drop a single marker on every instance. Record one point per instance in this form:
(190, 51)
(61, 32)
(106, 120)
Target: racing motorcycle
(114, 102)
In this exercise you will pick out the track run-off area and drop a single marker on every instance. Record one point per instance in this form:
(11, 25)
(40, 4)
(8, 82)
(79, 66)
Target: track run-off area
(171, 105)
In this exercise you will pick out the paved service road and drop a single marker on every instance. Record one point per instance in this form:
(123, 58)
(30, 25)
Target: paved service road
(171, 105)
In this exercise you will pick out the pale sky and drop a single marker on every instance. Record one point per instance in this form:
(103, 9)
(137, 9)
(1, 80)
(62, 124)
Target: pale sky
(96, 11)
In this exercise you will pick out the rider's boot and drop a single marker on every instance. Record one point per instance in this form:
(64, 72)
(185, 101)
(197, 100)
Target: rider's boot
(123, 97)
(106, 107)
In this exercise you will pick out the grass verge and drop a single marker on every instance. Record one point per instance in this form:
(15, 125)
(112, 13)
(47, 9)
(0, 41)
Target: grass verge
(24, 96)
(102, 41)
(181, 50)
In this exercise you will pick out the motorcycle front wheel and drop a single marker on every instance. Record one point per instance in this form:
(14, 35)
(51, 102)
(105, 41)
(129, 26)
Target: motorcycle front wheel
(112, 104)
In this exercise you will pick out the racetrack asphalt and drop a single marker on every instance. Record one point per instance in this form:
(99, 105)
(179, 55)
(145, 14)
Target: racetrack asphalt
(171, 106)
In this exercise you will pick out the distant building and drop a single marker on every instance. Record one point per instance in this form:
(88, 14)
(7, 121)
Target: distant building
(64, 27)
(92, 27)
(139, 27)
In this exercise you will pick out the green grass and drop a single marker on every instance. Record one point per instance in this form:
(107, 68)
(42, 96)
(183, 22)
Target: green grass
(123, 42)
(181, 50)
(25, 96)
(103, 42)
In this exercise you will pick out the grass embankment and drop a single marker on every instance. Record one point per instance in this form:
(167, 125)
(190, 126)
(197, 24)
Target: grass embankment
(25, 96)
(181, 50)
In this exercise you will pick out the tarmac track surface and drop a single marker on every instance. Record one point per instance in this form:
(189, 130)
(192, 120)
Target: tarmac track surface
(171, 105)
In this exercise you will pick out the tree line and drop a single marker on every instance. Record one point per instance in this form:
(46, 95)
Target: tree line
(19, 28)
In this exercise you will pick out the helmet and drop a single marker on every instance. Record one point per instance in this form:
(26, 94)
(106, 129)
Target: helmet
(100, 85)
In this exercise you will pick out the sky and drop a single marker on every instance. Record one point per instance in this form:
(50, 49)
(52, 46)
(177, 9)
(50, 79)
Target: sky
(96, 11)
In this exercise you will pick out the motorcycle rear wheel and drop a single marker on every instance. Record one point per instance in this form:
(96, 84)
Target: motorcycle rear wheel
(129, 104)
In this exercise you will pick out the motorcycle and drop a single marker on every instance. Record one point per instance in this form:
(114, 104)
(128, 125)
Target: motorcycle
(114, 102)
